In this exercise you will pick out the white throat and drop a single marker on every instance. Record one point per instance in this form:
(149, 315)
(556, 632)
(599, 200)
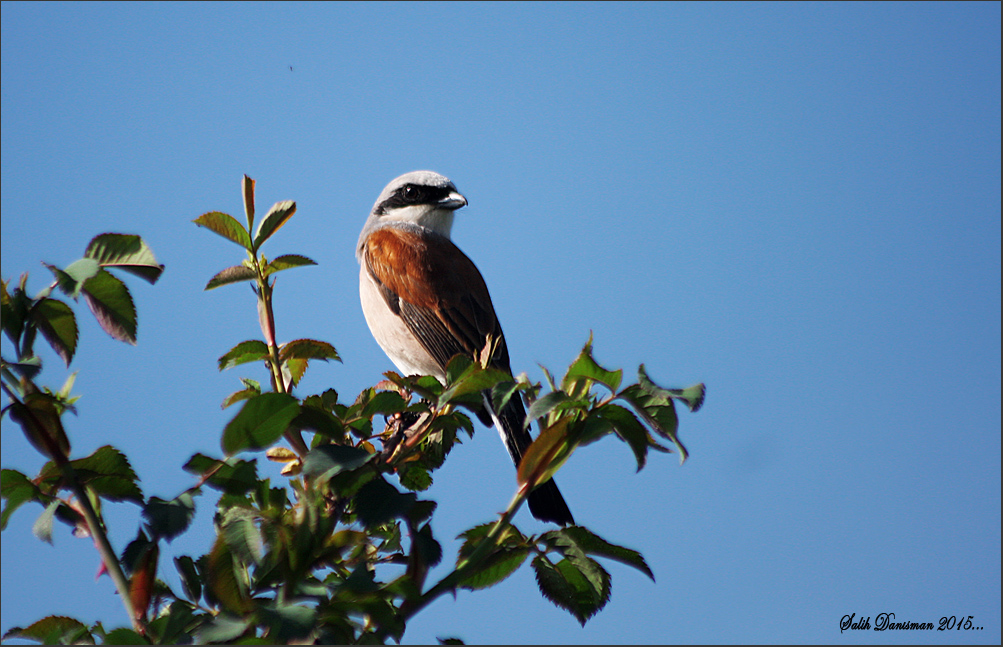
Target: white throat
(438, 220)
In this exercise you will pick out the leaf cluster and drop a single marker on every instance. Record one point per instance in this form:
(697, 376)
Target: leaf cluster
(572, 415)
(23, 317)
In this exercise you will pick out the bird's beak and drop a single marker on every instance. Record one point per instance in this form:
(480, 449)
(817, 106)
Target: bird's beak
(453, 201)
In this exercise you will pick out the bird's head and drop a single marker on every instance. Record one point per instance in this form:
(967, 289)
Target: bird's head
(423, 198)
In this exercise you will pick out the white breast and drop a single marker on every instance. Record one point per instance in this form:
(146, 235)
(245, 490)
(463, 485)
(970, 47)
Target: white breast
(392, 335)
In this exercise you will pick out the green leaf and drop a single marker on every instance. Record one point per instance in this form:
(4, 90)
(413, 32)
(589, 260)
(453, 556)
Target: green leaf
(383, 402)
(135, 550)
(326, 461)
(252, 388)
(628, 428)
(107, 471)
(594, 428)
(233, 274)
(425, 548)
(296, 356)
(555, 586)
(495, 568)
(223, 628)
(585, 367)
(239, 396)
(361, 580)
(226, 226)
(458, 366)
(28, 367)
(320, 420)
(471, 380)
(658, 411)
(287, 623)
(378, 502)
(294, 370)
(127, 252)
(14, 309)
(179, 622)
(693, 396)
(17, 489)
(190, 579)
(502, 392)
(252, 350)
(421, 511)
(568, 587)
(239, 530)
(308, 349)
(27, 350)
(58, 325)
(665, 422)
(228, 584)
(548, 377)
(71, 279)
(53, 630)
(589, 568)
(277, 216)
(260, 422)
(112, 305)
(168, 519)
(656, 406)
(414, 477)
(124, 636)
(553, 401)
(232, 476)
(511, 538)
(285, 262)
(39, 417)
(596, 595)
(329, 400)
(593, 544)
(442, 436)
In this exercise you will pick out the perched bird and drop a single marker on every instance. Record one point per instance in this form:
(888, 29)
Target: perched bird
(425, 302)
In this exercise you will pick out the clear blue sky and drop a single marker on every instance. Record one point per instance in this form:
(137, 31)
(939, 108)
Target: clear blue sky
(796, 204)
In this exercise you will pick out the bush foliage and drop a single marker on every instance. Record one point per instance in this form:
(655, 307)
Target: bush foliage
(340, 551)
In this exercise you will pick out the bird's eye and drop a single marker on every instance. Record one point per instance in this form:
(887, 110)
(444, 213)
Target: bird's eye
(411, 192)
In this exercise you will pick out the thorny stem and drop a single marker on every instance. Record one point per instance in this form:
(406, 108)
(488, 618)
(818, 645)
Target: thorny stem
(267, 319)
(483, 550)
(104, 548)
(94, 524)
(266, 316)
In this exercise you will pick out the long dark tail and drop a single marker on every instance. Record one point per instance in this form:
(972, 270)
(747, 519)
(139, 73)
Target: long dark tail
(545, 502)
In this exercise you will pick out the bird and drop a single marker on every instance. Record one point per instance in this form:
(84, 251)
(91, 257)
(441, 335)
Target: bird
(425, 302)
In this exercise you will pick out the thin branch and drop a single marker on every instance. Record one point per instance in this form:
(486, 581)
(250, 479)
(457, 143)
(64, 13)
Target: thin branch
(266, 317)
